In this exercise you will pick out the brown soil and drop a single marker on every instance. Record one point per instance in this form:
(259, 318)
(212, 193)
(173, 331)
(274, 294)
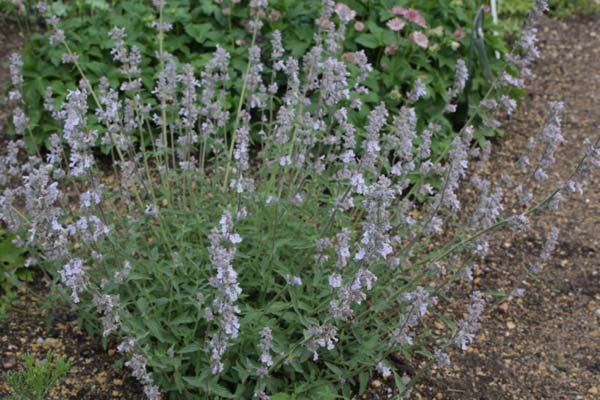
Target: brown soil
(38, 326)
(545, 345)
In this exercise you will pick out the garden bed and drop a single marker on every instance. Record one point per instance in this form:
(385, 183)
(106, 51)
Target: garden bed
(542, 345)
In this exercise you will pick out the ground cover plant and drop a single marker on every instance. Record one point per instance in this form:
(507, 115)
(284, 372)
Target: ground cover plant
(406, 42)
(276, 250)
(37, 378)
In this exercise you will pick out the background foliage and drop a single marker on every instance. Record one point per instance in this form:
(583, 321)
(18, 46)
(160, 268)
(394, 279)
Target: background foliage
(199, 26)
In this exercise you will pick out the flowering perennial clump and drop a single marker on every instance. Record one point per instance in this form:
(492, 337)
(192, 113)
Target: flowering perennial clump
(276, 244)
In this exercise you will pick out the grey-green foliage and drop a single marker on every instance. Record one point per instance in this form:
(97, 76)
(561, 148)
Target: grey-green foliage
(37, 378)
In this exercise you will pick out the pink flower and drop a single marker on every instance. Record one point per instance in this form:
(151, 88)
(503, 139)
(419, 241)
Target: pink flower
(359, 26)
(274, 15)
(395, 24)
(226, 11)
(414, 16)
(345, 13)
(398, 10)
(420, 39)
(390, 49)
(459, 34)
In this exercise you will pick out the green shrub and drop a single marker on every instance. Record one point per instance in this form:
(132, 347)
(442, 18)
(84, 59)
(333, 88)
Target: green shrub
(37, 378)
(198, 27)
(276, 249)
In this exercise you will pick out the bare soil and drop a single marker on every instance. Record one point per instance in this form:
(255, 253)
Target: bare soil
(545, 345)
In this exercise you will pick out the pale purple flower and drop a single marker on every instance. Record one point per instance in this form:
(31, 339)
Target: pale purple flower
(321, 336)
(342, 248)
(511, 80)
(89, 198)
(354, 293)
(334, 82)
(69, 58)
(470, 325)
(383, 369)
(293, 280)
(345, 13)
(418, 90)
(265, 346)
(420, 300)
(162, 27)
(455, 170)
(277, 47)
(73, 276)
(138, 366)
(57, 36)
(241, 183)
(166, 84)
(371, 144)
(20, 121)
(442, 358)
(121, 276)
(15, 65)
(460, 79)
(225, 282)
(550, 244)
(42, 7)
(126, 346)
(108, 305)
(450, 108)
(254, 83)
(335, 280)
(509, 104)
(490, 205)
(405, 132)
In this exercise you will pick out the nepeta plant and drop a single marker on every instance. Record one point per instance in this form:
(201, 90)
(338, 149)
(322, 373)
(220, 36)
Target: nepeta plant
(277, 249)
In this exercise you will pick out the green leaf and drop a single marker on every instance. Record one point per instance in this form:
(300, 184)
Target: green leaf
(99, 4)
(213, 386)
(367, 40)
(335, 369)
(191, 348)
(198, 31)
(400, 385)
(156, 330)
(363, 379)
(281, 396)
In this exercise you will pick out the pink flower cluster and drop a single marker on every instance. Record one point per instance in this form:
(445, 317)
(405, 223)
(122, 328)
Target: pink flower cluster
(396, 24)
(411, 15)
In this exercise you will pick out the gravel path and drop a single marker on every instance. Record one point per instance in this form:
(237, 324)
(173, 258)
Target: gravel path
(545, 345)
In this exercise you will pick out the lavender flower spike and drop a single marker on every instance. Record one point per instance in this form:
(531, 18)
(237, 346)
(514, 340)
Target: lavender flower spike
(470, 325)
(225, 282)
(460, 81)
